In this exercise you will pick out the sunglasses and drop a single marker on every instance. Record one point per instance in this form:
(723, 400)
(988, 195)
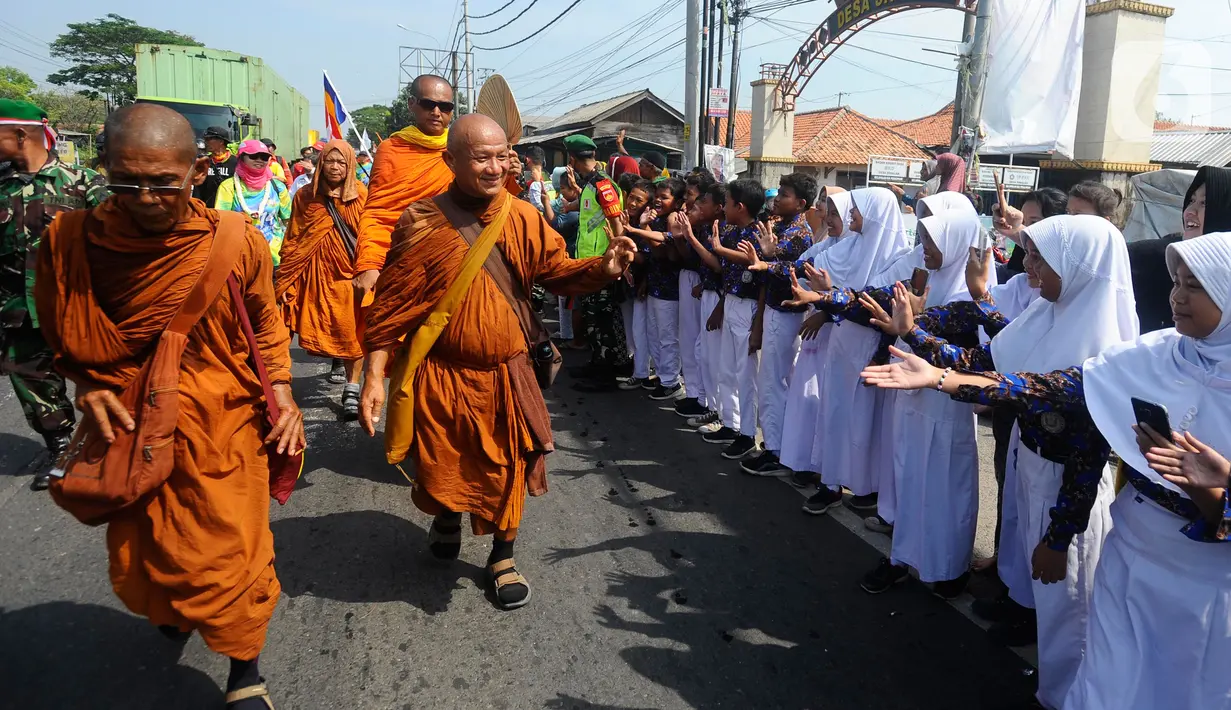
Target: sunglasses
(428, 105)
(259, 156)
(156, 190)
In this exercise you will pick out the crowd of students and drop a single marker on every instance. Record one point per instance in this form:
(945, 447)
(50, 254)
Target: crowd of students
(802, 314)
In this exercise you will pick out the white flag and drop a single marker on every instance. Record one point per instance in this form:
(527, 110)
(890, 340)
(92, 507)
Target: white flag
(364, 143)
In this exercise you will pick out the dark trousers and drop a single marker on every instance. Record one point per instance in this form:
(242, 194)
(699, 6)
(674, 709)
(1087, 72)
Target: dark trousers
(603, 327)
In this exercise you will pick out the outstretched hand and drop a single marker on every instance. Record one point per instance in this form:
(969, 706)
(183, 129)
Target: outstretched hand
(746, 248)
(818, 279)
(765, 237)
(800, 296)
(912, 373)
(978, 272)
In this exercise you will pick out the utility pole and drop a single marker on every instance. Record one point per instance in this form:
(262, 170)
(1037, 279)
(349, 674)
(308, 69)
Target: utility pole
(692, 81)
(978, 67)
(736, 13)
(709, 71)
(963, 77)
(469, 57)
(722, 26)
(703, 100)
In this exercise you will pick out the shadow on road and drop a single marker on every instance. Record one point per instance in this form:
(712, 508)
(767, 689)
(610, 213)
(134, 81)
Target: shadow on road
(18, 453)
(66, 655)
(365, 556)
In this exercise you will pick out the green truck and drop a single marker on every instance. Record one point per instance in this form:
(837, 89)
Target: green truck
(213, 87)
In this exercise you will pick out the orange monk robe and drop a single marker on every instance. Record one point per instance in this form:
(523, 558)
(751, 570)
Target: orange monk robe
(198, 554)
(313, 286)
(409, 167)
(472, 439)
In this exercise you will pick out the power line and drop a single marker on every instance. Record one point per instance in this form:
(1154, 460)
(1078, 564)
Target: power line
(903, 59)
(536, 32)
(493, 12)
(507, 22)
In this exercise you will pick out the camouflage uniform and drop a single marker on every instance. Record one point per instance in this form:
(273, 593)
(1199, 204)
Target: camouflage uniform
(27, 205)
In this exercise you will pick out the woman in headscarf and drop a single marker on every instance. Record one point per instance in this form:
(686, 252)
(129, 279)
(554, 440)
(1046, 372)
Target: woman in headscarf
(1064, 486)
(313, 285)
(1207, 209)
(948, 170)
(254, 191)
(1158, 634)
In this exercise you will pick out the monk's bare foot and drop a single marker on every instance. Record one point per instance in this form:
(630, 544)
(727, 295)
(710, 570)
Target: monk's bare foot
(337, 372)
(512, 589)
(444, 538)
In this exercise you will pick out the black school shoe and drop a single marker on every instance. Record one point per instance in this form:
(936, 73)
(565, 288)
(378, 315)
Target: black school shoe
(661, 393)
(865, 502)
(951, 589)
(821, 501)
(690, 407)
(724, 435)
(740, 447)
(651, 383)
(804, 479)
(765, 464)
(886, 576)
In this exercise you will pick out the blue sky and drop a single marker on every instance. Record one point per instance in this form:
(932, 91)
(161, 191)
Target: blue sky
(358, 44)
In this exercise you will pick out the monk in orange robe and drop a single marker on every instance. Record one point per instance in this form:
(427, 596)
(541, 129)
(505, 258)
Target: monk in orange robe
(313, 285)
(480, 424)
(409, 167)
(197, 554)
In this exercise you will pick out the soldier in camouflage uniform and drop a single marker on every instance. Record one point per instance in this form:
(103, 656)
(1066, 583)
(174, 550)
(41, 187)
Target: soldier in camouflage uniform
(34, 187)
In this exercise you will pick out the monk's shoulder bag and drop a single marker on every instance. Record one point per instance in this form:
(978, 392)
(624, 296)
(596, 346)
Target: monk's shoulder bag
(544, 355)
(94, 480)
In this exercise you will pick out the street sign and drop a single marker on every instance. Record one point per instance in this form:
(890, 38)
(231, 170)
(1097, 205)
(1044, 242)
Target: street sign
(720, 103)
(1015, 178)
(890, 169)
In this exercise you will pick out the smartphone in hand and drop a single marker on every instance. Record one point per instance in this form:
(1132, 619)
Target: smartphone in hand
(918, 281)
(1153, 415)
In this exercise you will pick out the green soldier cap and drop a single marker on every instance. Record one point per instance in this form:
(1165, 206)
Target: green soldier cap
(579, 144)
(24, 113)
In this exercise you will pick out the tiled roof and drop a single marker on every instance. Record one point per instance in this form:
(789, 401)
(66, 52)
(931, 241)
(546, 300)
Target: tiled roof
(933, 130)
(1167, 125)
(836, 136)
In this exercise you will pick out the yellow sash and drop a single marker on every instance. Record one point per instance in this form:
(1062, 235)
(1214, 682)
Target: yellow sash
(400, 424)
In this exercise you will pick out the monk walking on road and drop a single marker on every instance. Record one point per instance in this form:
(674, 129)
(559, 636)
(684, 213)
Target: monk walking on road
(196, 553)
(480, 425)
(314, 280)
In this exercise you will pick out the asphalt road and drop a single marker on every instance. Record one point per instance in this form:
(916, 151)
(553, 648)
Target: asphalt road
(663, 578)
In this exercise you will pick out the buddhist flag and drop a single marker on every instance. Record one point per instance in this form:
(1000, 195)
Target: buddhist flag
(335, 112)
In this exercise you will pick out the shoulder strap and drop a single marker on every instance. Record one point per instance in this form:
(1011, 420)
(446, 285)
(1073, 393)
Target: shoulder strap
(498, 268)
(256, 360)
(224, 251)
(349, 240)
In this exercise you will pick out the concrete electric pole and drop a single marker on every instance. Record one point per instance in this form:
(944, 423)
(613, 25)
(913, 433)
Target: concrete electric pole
(692, 82)
(972, 80)
(736, 15)
(469, 57)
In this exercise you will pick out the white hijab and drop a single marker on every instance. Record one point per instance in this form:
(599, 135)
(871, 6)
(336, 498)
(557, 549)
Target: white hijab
(853, 262)
(1095, 309)
(1014, 296)
(947, 201)
(901, 268)
(954, 233)
(841, 200)
(1190, 377)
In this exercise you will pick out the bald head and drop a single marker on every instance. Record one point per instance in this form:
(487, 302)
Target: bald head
(429, 83)
(478, 155)
(150, 126)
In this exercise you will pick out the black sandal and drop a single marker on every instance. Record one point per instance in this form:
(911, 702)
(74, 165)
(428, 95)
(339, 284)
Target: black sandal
(252, 691)
(337, 372)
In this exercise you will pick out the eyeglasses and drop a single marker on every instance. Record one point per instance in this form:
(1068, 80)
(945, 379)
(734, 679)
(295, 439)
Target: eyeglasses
(156, 190)
(258, 156)
(428, 105)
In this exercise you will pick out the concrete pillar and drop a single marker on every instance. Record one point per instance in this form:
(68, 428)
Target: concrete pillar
(773, 135)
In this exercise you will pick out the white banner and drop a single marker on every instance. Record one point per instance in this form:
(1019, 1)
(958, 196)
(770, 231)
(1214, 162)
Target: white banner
(1034, 76)
(721, 162)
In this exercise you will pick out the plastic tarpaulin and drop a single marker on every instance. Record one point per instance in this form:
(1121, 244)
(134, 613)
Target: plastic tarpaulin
(1034, 76)
(1158, 204)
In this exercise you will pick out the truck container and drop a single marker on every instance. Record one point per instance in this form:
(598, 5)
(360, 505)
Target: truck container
(213, 87)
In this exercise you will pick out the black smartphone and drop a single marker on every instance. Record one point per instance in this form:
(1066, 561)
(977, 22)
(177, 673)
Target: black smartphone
(918, 281)
(1154, 415)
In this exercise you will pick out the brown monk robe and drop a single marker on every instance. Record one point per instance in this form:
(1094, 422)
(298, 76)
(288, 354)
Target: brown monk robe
(313, 285)
(198, 554)
(474, 441)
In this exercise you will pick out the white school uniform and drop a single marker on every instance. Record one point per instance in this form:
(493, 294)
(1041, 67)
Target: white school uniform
(1159, 633)
(1094, 310)
(779, 348)
(665, 336)
(849, 410)
(630, 336)
(709, 351)
(643, 348)
(737, 372)
(690, 325)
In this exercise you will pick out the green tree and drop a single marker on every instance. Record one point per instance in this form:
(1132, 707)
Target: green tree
(104, 57)
(372, 119)
(71, 111)
(15, 84)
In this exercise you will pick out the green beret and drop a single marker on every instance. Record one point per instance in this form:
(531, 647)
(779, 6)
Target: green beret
(579, 144)
(13, 111)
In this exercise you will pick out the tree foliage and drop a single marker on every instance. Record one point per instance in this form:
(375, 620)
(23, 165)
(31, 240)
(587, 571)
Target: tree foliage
(372, 119)
(71, 111)
(103, 56)
(15, 84)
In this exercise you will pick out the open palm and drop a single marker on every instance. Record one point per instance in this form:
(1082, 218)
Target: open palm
(912, 373)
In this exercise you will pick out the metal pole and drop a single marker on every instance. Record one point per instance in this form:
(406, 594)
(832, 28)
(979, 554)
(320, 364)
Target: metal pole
(469, 57)
(963, 77)
(709, 75)
(978, 71)
(722, 26)
(734, 104)
(703, 98)
(692, 77)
